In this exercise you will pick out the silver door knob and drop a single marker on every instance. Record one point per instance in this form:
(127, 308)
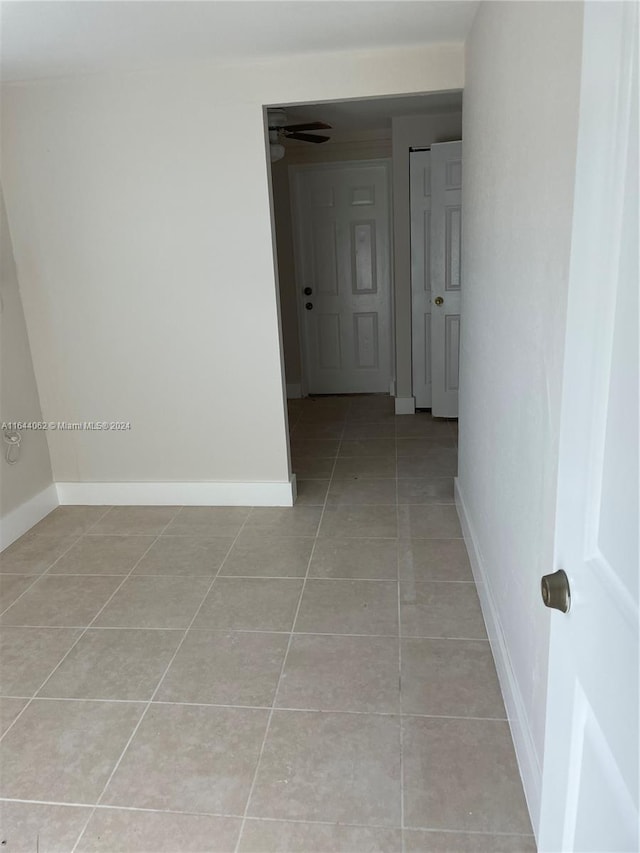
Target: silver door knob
(555, 591)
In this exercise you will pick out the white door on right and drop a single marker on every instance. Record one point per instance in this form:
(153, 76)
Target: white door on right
(590, 781)
(436, 234)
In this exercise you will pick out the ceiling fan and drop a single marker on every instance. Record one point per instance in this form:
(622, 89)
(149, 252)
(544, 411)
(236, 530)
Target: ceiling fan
(279, 130)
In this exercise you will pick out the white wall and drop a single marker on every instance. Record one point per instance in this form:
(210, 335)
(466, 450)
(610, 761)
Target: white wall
(139, 205)
(31, 475)
(519, 132)
(410, 132)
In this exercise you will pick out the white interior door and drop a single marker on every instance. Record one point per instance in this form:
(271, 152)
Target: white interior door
(446, 276)
(591, 758)
(420, 193)
(341, 214)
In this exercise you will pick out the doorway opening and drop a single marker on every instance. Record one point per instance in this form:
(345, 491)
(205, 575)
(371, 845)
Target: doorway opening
(343, 228)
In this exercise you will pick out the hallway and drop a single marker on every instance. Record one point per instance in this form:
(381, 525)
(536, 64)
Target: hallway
(263, 680)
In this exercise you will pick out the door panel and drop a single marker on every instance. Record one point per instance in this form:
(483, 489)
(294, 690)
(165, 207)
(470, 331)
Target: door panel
(341, 213)
(590, 776)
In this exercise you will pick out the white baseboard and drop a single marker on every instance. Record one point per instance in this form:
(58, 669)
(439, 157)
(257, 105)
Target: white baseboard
(294, 390)
(405, 405)
(21, 519)
(178, 494)
(530, 769)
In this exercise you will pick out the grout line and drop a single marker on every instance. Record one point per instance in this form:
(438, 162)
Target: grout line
(286, 654)
(107, 807)
(166, 670)
(341, 711)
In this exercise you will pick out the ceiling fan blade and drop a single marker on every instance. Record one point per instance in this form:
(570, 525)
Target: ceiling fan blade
(307, 137)
(313, 125)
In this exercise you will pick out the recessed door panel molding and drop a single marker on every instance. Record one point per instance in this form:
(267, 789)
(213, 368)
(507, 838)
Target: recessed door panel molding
(453, 174)
(436, 230)
(453, 244)
(363, 196)
(452, 352)
(363, 257)
(329, 356)
(342, 250)
(325, 256)
(365, 340)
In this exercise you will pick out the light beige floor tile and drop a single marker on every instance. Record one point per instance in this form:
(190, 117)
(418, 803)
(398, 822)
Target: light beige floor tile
(30, 827)
(135, 520)
(358, 432)
(285, 521)
(359, 521)
(190, 758)
(29, 655)
(127, 831)
(12, 587)
(362, 491)
(311, 431)
(275, 836)
(107, 555)
(365, 466)
(62, 600)
(308, 468)
(462, 775)
(64, 751)
(225, 668)
(421, 841)
(363, 403)
(349, 607)
(424, 445)
(371, 416)
(375, 559)
(380, 447)
(208, 521)
(436, 609)
(258, 555)
(154, 602)
(434, 560)
(311, 492)
(436, 490)
(9, 710)
(451, 678)
(421, 426)
(113, 664)
(435, 463)
(330, 767)
(428, 522)
(69, 520)
(185, 556)
(341, 674)
(33, 554)
(251, 604)
(317, 447)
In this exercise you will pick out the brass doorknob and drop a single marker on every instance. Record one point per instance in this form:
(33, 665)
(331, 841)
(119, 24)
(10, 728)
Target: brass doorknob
(439, 300)
(555, 591)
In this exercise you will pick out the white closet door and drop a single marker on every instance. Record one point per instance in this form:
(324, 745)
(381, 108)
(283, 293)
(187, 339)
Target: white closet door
(420, 191)
(446, 276)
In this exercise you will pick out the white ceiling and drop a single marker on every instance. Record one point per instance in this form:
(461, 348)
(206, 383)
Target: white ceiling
(50, 39)
(374, 113)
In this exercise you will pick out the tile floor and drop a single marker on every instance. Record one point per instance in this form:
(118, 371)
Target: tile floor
(267, 680)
